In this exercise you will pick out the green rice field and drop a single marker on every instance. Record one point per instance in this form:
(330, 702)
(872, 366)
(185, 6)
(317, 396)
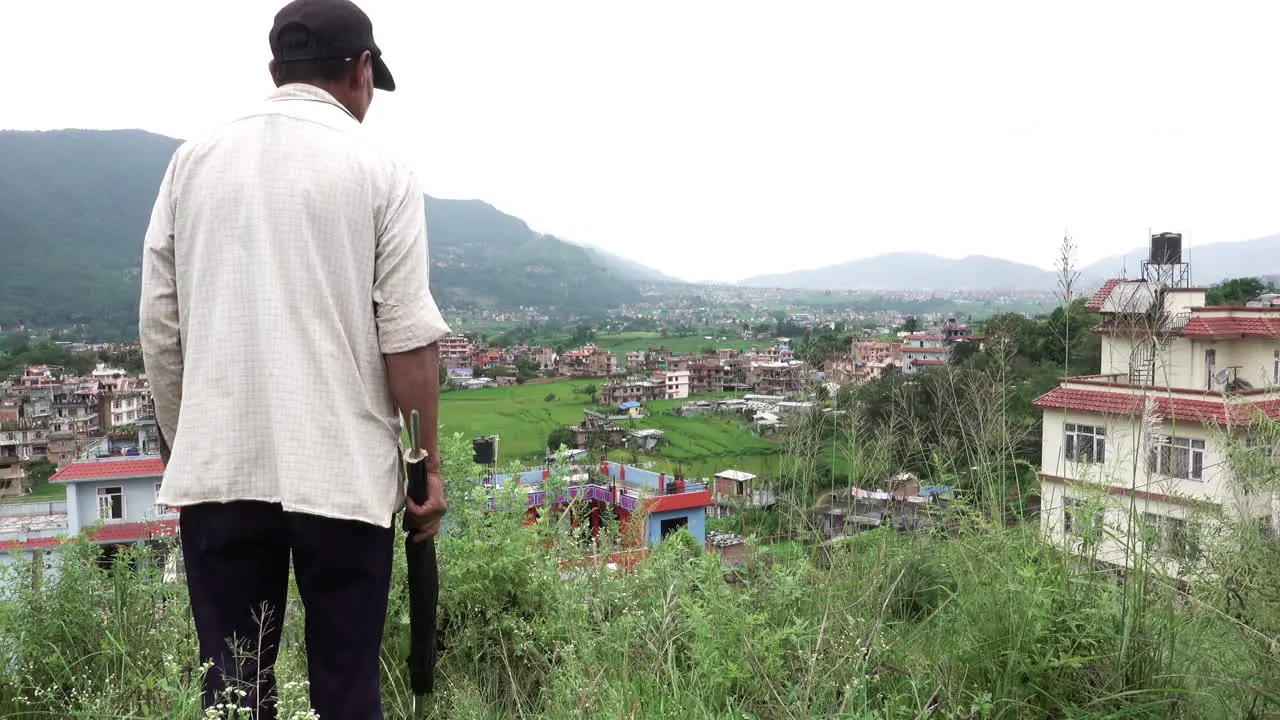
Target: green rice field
(523, 418)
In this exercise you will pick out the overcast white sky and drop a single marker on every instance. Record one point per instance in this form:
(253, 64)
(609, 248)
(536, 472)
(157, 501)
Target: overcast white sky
(716, 140)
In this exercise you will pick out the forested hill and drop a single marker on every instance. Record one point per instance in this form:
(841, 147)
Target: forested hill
(74, 206)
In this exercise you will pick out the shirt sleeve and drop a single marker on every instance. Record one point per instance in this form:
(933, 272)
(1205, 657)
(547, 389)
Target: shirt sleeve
(406, 312)
(158, 321)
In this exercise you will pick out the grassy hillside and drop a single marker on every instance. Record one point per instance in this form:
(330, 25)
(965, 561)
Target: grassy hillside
(523, 418)
(74, 206)
(987, 622)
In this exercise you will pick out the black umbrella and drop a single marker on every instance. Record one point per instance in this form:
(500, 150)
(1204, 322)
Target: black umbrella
(424, 580)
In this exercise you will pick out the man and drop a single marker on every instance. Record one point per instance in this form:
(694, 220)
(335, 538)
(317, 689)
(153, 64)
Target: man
(286, 326)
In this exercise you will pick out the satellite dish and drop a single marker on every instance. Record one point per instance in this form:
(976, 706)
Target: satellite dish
(1222, 377)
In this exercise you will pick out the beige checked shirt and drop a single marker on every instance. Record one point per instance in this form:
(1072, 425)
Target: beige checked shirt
(285, 255)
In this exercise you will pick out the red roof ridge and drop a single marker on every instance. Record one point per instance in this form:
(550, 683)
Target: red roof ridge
(1100, 298)
(1165, 407)
(110, 533)
(1210, 326)
(108, 469)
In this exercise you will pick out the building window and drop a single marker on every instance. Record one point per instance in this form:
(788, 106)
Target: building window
(666, 527)
(1085, 444)
(1275, 368)
(111, 503)
(1177, 457)
(1259, 460)
(1167, 536)
(161, 508)
(1210, 367)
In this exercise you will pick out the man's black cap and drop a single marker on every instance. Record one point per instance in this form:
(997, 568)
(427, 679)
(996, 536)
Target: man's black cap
(334, 29)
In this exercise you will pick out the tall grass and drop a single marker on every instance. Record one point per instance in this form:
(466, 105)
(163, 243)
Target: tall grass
(983, 620)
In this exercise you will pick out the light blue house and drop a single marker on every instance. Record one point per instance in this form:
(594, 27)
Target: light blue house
(116, 496)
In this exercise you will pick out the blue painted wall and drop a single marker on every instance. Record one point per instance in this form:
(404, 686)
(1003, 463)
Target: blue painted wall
(697, 523)
(139, 501)
(636, 476)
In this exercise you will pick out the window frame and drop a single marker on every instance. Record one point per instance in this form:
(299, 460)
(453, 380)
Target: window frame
(1164, 456)
(1167, 536)
(1076, 435)
(158, 507)
(105, 492)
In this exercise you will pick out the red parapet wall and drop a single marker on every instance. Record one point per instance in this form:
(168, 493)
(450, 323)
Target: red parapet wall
(683, 501)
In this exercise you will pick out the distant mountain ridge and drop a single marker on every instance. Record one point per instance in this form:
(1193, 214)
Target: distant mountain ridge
(1210, 263)
(630, 269)
(74, 205)
(911, 271)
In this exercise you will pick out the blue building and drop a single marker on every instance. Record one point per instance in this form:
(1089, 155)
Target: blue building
(115, 496)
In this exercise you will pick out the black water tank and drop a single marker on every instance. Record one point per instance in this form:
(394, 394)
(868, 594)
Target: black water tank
(482, 451)
(1166, 249)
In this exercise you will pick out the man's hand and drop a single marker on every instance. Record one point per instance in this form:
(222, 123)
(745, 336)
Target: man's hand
(423, 521)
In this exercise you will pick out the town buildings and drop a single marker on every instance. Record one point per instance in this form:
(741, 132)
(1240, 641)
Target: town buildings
(1168, 428)
(46, 414)
(114, 497)
(674, 383)
(647, 506)
(455, 351)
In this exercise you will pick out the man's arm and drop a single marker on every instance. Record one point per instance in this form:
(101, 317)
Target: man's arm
(409, 329)
(158, 325)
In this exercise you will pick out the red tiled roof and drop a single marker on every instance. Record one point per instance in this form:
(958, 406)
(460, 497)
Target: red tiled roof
(1202, 326)
(1101, 402)
(926, 349)
(1100, 298)
(107, 469)
(32, 544)
(123, 532)
(115, 533)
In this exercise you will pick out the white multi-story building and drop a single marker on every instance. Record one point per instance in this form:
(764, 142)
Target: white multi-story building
(124, 409)
(1169, 427)
(455, 347)
(676, 383)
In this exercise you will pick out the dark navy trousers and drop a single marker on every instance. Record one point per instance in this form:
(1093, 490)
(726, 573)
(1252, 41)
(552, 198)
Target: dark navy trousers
(237, 567)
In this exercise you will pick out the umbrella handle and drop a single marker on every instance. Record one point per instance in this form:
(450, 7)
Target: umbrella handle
(415, 460)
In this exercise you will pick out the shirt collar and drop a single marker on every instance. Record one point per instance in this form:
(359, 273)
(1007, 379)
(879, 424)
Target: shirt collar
(304, 91)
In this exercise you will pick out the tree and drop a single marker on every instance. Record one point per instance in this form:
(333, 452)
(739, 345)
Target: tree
(560, 436)
(582, 334)
(1238, 291)
(526, 369)
(911, 324)
(963, 352)
(816, 349)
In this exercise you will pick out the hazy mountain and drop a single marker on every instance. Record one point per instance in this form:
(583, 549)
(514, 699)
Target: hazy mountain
(1210, 263)
(74, 206)
(912, 271)
(630, 269)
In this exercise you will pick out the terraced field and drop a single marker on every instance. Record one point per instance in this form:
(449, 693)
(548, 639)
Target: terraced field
(523, 417)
